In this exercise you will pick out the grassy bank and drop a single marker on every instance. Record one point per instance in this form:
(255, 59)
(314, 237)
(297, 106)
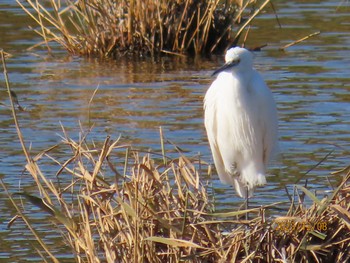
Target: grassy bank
(113, 28)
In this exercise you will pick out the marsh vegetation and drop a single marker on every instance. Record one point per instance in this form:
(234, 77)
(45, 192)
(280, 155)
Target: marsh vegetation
(113, 28)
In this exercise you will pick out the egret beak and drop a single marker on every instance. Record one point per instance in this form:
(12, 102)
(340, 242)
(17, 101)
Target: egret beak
(227, 65)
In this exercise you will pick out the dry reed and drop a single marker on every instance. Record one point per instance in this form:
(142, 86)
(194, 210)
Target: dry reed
(150, 208)
(112, 28)
(163, 213)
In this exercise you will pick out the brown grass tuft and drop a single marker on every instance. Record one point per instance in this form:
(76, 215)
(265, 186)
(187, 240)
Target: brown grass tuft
(112, 28)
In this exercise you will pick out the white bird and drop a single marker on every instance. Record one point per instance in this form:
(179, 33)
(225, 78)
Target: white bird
(241, 122)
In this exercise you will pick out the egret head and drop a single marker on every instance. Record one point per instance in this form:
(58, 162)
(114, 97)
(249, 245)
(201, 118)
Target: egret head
(235, 59)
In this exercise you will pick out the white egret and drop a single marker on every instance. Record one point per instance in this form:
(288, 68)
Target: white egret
(241, 122)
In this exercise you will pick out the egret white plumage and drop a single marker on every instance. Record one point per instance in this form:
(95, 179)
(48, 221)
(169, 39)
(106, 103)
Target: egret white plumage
(241, 122)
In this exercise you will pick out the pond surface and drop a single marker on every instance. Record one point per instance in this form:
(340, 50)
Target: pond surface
(310, 83)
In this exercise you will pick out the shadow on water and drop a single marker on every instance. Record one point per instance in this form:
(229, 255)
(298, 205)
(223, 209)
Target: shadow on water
(310, 82)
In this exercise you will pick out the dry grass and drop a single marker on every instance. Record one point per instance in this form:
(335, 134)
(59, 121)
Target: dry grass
(113, 204)
(112, 28)
(163, 213)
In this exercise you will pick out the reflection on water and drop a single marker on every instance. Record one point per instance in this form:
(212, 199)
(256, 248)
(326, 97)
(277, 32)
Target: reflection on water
(310, 83)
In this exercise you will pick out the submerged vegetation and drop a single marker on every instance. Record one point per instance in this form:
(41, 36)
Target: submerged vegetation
(112, 28)
(113, 204)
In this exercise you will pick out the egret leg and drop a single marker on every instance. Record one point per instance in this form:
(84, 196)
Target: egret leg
(247, 205)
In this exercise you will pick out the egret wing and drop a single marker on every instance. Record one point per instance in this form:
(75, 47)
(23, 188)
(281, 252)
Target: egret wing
(211, 125)
(268, 115)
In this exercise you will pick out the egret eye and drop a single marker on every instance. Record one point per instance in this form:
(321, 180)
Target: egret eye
(235, 61)
(228, 65)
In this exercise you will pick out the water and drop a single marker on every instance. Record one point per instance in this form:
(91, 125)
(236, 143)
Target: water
(310, 82)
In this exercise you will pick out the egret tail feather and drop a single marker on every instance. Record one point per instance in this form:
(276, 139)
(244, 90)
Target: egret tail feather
(246, 190)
